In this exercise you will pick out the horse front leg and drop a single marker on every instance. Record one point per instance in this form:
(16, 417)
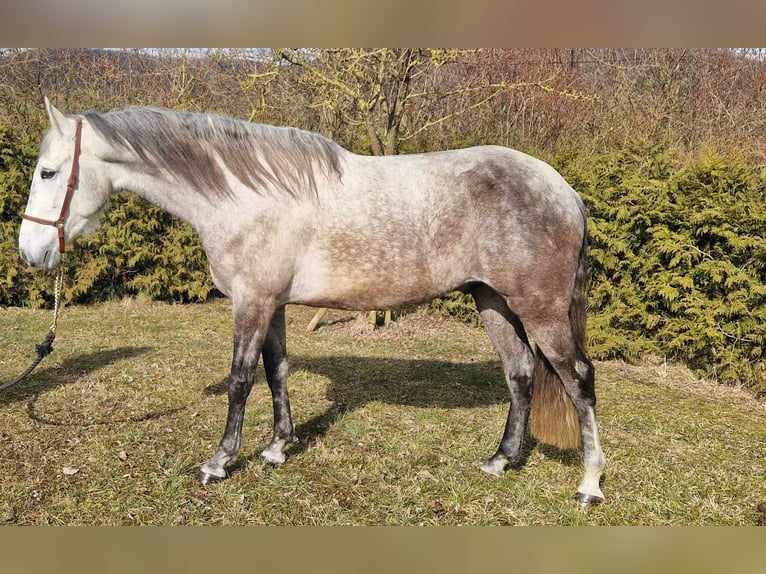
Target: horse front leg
(276, 367)
(251, 323)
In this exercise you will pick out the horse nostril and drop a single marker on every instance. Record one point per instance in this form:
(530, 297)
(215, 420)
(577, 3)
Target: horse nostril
(29, 260)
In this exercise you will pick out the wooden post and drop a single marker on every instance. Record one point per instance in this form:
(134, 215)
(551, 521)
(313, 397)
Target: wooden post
(315, 321)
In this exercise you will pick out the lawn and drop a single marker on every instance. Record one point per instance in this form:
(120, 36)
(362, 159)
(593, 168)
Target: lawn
(392, 423)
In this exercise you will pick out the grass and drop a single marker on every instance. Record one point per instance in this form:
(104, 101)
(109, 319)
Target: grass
(112, 428)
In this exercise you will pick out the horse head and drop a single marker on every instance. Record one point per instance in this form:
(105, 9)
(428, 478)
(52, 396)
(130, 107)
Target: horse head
(68, 192)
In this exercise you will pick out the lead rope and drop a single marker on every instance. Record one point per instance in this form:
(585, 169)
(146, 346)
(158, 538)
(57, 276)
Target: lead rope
(46, 347)
(57, 299)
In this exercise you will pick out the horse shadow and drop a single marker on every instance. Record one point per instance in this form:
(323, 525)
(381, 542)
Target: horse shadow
(356, 381)
(67, 372)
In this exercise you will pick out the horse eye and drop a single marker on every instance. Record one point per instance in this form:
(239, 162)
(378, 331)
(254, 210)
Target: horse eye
(47, 173)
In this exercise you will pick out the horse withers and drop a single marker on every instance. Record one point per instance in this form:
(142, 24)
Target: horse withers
(288, 216)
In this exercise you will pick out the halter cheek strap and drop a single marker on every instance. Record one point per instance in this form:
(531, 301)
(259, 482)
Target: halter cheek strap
(59, 223)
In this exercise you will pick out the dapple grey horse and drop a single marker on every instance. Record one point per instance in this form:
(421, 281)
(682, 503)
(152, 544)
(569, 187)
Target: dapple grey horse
(288, 216)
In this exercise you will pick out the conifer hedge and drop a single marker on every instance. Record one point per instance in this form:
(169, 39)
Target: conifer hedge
(677, 255)
(677, 258)
(17, 160)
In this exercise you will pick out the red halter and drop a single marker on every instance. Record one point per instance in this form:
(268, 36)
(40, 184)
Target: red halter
(59, 223)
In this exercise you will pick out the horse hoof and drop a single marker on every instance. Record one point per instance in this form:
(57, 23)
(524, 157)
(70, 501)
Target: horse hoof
(273, 457)
(587, 500)
(206, 478)
(494, 468)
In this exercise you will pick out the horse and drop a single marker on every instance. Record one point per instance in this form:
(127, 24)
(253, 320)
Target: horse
(287, 216)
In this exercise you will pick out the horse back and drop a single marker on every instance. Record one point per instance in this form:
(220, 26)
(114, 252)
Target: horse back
(404, 229)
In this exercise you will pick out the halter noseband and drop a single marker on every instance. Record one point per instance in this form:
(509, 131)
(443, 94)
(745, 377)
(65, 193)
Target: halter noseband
(59, 223)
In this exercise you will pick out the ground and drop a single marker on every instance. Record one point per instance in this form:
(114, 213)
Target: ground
(113, 426)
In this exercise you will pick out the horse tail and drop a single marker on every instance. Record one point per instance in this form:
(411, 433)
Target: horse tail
(553, 417)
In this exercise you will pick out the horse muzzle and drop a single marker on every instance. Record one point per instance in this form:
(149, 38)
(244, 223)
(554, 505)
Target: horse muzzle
(40, 259)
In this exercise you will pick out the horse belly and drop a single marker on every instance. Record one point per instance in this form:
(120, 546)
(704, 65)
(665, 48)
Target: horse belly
(379, 276)
(367, 287)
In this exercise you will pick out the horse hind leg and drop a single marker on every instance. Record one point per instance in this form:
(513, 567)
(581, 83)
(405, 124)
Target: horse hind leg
(576, 372)
(509, 338)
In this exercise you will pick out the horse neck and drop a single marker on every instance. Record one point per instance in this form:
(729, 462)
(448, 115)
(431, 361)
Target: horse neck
(167, 194)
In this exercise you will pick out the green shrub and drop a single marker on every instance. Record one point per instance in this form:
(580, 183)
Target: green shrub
(458, 305)
(677, 259)
(18, 286)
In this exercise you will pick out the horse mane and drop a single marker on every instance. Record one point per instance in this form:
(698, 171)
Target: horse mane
(191, 146)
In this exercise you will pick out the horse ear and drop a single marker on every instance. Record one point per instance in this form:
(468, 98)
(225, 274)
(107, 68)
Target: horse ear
(57, 119)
